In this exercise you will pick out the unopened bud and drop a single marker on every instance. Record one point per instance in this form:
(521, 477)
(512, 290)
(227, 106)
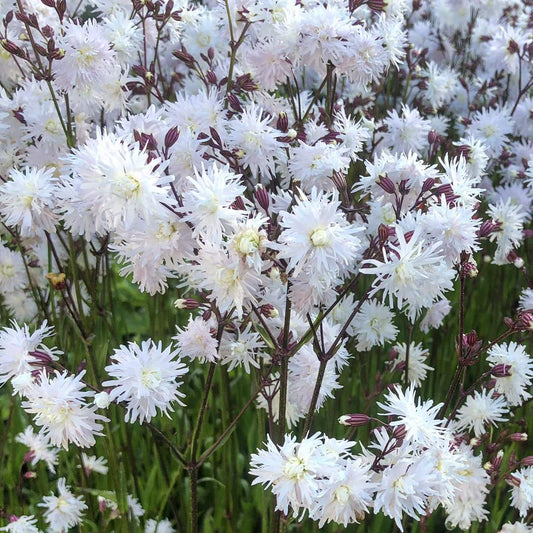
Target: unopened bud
(470, 270)
(102, 400)
(283, 122)
(262, 197)
(513, 47)
(269, 311)
(513, 481)
(172, 136)
(386, 184)
(186, 303)
(101, 504)
(501, 371)
(29, 456)
(234, 103)
(428, 185)
(527, 461)
(432, 136)
(497, 461)
(518, 262)
(30, 474)
(383, 233)
(488, 227)
(354, 420)
(339, 179)
(399, 432)
(518, 437)
(475, 442)
(525, 321)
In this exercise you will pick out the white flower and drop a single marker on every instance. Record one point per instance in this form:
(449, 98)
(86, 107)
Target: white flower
(87, 56)
(526, 299)
(158, 526)
(109, 185)
(63, 511)
(196, 341)
(250, 241)
(516, 527)
(303, 373)
(442, 84)
(511, 218)
(416, 367)
(419, 418)
(314, 164)
(293, 471)
(40, 449)
(406, 133)
(207, 203)
(522, 491)
(232, 283)
(243, 349)
(145, 379)
(405, 487)
(435, 315)
(347, 495)
(373, 325)
(22, 524)
(492, 126)
(519, 366)
(135, 508)
(12, 270)
(316, 235)
(412, 272)
(59, 405)
(454, 227)
(470, 492)
(21, 351)
(481, 409)
(255, 142)
(91, 463)
(27, 200)
(150, 249)
(463, 179)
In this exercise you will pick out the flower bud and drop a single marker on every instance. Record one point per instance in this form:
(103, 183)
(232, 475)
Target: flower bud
(518, 437)
(501, 370)
(386, 184)
(269, 311)
(186, 303)
(171, 136)
(513, 481)
(527, 461)
(524, 320)
(262, 197)
(354, 420)
(399, 432)
(282, 122)
(102, 400)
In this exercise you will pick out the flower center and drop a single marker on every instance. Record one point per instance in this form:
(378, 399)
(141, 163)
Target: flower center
(150, 378)
(320, 237)
(342, 494)
(294, 468)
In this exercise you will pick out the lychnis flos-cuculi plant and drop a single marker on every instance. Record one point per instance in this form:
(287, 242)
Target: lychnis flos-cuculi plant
(264, 266)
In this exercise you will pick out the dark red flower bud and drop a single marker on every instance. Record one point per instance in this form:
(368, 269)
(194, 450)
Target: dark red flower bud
(354, 420)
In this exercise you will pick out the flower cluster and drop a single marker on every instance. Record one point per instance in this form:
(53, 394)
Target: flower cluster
(308, 182)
